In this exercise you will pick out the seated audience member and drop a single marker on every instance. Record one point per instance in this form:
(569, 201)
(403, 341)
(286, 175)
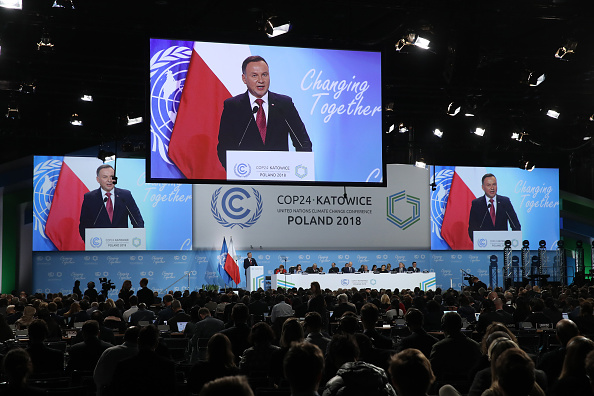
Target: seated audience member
(54, 329)
(419, 338)
(394, 310)
(590, 369)
(167, 312)
(513, 375)
(494, 331)
(303, 367)
(104, 370)
(454, 356)
(573, 379)
(142, 315)
(45, 360)
(238, 333)
(220, 362)
(13, 313)
(133, 302)
(369, 317)
(17, 367)
(280, 270)
(84, 355)
(552, 362)
(205, 328)
(145, 373)
(5, 331)
(372, 355)
(114, 321)
(292, 332)
(256, 359)
(281, 309)
(27, 318)
(342, 307)
(585, 320)
(433, 313)
(179, 315)
(354, 377)
(537, 317)
(313, 330)
(465, 310)
(236, 385)
(411, 373)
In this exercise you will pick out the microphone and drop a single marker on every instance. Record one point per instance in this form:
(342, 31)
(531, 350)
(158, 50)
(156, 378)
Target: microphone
(254, 111)
(128, 209)
(485, 215)
(511, 221)
(98, 213)
(289, 125)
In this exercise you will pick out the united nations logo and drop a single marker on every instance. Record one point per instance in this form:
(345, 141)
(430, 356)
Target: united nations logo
(403, 219)
(482, 242)
(242, 170)
(96, 242)
(136, 242)
(235, 204)
(344, 282)
(168, 75)
(300, 171)
(439, 199)
(45, 177)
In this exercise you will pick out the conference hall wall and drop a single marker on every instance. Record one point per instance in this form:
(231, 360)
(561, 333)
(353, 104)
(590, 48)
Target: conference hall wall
(279, 224)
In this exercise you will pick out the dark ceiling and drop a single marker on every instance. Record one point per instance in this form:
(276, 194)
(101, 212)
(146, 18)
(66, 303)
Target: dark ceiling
(481, 54)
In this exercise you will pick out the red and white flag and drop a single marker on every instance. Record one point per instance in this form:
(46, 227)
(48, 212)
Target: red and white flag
(231, 266)
(465, 187)
(214, 75)
(77, 177)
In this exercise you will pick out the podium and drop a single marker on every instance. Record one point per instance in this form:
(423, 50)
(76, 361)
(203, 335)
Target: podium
(495, 240)
(255, 278)
(115, 239)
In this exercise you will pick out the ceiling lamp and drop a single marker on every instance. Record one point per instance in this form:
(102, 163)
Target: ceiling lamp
(437, 132)
(63, 4)
(391, 129)
(133, 120)
(421, 163)
(402, 128)
(45, 44)
(275, 26)
(534, 80)
(454, 108)
(13, 111)
(86, 98)
(527, 165)
(567, 51)
(412, 39)
(13, 4)
(479, 131)
(553, 114)
(75, 120)
(106, 156)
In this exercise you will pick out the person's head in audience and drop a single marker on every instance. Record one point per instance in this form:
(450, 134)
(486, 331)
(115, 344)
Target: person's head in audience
(303, 367)
(451, 324)
(176, 306)
(316, 289)
(90, 330)
(237, 385)
(167, 300)
(349, 324)
(369, 315)
(143, 282)
(292, 331)
(219, 352)
(141, 307)
(261, 335)
(515, 374)
(493, 331)
(566, 329)
(411, 373)
(133, 300)
(131, 335)
(97, 316)
(342, 298)
(203, 313)
(148, 338)
(343, 348)
(589, 365)
(38, 331)
(414, 319)
(577, 350)
(17, 367)
(313, 322)
(240, 314)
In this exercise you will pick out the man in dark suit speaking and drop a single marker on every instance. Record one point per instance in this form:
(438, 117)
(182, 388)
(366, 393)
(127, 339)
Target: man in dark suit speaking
(259, 120)
(491, 212)
(249, 262)
(108, 207)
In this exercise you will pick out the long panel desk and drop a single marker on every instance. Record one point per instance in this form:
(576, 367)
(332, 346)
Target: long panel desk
(425, 281)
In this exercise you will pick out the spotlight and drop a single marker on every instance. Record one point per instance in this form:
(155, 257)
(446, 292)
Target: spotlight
(391, 129)
(527, 165)
(106, 156)
(553, 113)
(274, 26)
(13, 112)
(516, 136)
(86, 98)
(567, 51)
(134, 120)
(588, 137)
(453, 109)
(421, 163)
(412, 39)
(437, 132)
(75, 120)
(63, 4)
(13, 4)
(27, 88)
(479, 131)
(534, 80)
(402, 128)
(45, 44)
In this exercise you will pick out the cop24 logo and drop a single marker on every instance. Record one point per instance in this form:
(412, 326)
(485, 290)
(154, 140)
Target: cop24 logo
(403, 216)
(235, 204)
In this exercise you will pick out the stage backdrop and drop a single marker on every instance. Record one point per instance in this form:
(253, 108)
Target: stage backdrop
(56, 271)
(286, 217)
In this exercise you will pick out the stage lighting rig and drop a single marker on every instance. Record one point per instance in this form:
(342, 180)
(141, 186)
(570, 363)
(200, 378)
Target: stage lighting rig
(275, 26)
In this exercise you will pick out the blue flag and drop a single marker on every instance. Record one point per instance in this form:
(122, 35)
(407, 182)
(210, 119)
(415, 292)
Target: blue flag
(222, 258)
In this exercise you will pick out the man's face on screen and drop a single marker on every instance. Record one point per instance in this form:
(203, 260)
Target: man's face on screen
(490, 187)
(257, 78)
(105, 178)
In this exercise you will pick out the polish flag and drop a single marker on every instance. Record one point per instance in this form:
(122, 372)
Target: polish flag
(465, 187)
(214, 75)
(231, 266)
(77, 177)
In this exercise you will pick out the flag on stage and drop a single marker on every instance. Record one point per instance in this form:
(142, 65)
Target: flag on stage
(211, 79)
(77, 177)
(222, 261)
(231, 266)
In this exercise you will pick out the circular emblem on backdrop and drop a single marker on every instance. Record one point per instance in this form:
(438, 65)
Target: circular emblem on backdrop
(515, 243)
(234, 204)
(344, 282)
(372, 282)
(300, 171)
(96, 242)
(242, 170)
(482, 242)
(45, 177)
(439, 199)
(136, 242)
(403, 218)
(168, 76)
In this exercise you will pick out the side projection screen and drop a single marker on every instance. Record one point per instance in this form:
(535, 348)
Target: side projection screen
(234, 113)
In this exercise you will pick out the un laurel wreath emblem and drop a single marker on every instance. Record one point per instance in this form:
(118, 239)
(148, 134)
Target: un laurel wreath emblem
(235, 213)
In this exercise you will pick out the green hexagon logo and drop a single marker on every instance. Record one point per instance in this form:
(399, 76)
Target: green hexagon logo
(403, 219)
